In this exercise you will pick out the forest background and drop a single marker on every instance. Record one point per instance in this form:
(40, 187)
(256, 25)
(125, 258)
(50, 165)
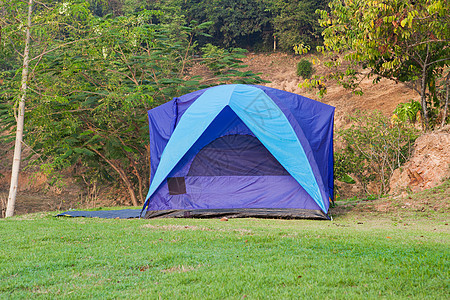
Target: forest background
(93, 68)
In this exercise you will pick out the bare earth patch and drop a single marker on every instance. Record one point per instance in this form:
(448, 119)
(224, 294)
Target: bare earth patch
(175, 227)
(178, 269)
(241, 231)
(433, 203)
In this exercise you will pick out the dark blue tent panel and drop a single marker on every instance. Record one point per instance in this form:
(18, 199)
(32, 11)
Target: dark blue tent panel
(241, 148)
(235, 155)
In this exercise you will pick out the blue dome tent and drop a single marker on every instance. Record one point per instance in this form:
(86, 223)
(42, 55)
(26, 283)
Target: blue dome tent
(241, 151)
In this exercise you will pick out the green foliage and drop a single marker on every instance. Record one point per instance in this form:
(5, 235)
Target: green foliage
(238, 22)
(344, 164)
(301, 49)
(55, 25)
(248, 23)
(295, 22)
(234, 23)
(402, 40)
(305, 68)
(88, 100)
(407, 111)
(373, 148)
(226, 64)
(220, 60)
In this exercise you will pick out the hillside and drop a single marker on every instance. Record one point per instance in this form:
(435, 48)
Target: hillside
(278, 68)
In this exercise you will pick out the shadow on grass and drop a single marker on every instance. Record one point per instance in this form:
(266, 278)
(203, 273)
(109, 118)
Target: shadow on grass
(433, 201)
(343, 208)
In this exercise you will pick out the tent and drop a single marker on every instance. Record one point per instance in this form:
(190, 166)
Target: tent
(241, 151)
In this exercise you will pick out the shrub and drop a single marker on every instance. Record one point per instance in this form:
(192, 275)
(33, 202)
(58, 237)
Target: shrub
(408, 111)
(373, 148)
(305, 69)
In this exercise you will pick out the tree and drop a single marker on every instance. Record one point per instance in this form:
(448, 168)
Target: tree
(295, 22)
(373, 147)
(234, 23)
(12, 29)
(403, 40)
(91, 99)
(20, 119)
(246, 23)
(87, 101)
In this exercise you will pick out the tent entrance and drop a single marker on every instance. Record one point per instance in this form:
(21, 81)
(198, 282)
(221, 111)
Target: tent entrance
(235, 155)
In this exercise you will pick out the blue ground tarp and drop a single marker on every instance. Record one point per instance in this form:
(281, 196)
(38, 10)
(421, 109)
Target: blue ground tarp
(104, 214)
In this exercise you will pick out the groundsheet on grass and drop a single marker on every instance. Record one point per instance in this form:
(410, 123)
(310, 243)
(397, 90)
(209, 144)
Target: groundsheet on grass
(103, 214)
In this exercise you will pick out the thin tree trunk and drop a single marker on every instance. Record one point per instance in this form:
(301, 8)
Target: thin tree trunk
(423, 90)
(139, 177)
(446, 100)
(423, 100)
(122, 175)
(20, 120)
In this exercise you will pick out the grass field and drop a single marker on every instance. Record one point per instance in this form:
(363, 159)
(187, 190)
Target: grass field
(360, 254)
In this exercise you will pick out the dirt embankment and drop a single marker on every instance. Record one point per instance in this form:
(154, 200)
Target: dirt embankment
(428, 165)
(35, 194)
(278, 68)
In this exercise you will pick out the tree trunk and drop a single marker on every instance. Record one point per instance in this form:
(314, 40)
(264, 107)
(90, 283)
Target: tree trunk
(122, 175)
(141, 185)
(423, 90)
(423, 99)
(444, 116)
(20, 120)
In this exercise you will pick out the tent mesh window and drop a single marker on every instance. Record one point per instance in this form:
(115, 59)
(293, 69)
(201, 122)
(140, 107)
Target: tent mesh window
(235, 155)
(177, 185)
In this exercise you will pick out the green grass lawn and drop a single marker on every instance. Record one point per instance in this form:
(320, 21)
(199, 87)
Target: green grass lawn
(358, 255)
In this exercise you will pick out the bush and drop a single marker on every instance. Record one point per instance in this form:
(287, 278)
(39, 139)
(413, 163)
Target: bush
(305, 69)
(373, 148)
(408, 111)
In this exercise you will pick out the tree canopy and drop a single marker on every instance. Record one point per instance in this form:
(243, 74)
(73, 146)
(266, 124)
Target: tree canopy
(403, 40)
(295, 22)
(96, 67)
(249, 24)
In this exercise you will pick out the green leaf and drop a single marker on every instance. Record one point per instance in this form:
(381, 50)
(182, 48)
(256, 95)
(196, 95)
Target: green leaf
(347, 179)
(128, 149)
(87, 132)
